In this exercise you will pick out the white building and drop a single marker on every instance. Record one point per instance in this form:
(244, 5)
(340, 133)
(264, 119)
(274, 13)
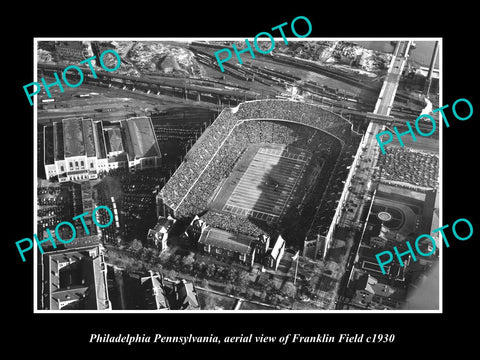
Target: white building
(80, 149)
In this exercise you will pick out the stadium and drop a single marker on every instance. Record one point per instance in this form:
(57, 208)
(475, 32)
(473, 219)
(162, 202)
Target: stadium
(266, 167)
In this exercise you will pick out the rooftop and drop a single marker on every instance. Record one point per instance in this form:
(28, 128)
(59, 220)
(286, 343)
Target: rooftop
(88, 137)
(227, 241)
(371, 284)
(140, 138)
(186, 295)
(58, 149)
(99, 140)
(73, 137)
(49, 155)
(77, 45)
(113, 137)
(155, 296)
(76, 276)
(277, 247)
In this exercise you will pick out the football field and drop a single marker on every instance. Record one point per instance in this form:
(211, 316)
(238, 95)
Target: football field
(262, 183)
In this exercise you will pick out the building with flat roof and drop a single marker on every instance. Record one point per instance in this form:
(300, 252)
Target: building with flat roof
(81, 149)
(372, 294)
(75, 280)
(140, 143)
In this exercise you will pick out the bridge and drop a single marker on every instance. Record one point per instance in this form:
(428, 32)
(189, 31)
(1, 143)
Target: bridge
(381, 114)
(389, 89)
(361, 183)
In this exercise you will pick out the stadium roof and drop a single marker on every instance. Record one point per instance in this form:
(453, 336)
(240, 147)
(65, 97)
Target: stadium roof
(227, 241)
(73, 137)
(114, 139)
(140, 138)
(49, 155)
(58, 141)
(297, 112)
(88, 137)
(99, 140)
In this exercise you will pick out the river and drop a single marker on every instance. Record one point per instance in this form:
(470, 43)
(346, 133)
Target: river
(421, 54)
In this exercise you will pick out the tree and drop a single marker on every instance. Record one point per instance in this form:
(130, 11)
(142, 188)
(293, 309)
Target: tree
(155, 258)
(270, 288)
(289, 290)
(222, 273)
(196, 267)
(274, 299)
(146, 255)
(164, 257)
(120, 241)
(187, 263)
(308, 289)
(210, 271)
(228, 288)
(210, 303)
(177, 261)
(205, 283)
(172, 274)
(243, 279)
(232, 289)
(202, 268)
(232, 274)
(136, 245)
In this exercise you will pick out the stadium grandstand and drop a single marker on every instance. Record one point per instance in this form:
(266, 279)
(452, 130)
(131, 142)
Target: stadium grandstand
(410, 166)
(265, 167)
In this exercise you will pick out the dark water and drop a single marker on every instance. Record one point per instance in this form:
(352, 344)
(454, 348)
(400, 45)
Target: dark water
(421, 54)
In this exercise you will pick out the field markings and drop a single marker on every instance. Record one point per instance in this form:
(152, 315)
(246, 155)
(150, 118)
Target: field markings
(285, 168)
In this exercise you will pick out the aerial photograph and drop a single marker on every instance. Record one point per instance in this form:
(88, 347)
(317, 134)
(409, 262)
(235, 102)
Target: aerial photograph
(258, 185)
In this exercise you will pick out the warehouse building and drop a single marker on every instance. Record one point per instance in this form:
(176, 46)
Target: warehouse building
(81, 149)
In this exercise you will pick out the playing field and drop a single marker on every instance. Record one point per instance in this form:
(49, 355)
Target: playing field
(261, 184)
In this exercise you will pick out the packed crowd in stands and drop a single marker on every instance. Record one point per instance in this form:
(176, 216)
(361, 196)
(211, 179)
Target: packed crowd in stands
(245, 134)
(205, 148)
(298, 112)
(233, 223)
(326, 210)
(197, 159)
(215, 154)
(410, 166)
